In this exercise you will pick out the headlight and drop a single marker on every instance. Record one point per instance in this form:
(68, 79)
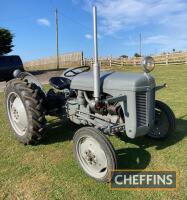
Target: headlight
(148, 64)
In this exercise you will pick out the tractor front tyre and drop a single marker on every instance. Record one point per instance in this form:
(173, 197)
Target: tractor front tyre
(24, 106)
(164, 125)
(94, 153)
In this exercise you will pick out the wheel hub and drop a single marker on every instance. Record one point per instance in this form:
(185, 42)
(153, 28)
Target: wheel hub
(90, 157)
(17, 114)
(160, 126)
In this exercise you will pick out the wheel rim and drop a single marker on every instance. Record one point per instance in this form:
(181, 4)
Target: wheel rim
(161, 125)
(17, 114)
(92, 157)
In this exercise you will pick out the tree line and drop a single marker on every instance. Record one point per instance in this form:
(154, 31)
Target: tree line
(6, 39)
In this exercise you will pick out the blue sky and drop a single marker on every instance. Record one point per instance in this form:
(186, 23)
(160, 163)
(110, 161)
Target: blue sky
(162, 24)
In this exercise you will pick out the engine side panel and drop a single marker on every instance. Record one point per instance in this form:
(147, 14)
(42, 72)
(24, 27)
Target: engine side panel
(138, 108)
(138, 93)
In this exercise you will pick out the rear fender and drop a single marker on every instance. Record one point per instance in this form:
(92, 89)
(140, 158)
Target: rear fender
(30, 78)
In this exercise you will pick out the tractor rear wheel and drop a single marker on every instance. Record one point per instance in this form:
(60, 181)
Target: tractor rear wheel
(24, 106)
(94, 153)
(164, 121)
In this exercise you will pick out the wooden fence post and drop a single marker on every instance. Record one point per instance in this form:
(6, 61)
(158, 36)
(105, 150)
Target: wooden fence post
(186, 59)
(110, 61)
(85, 61)
(82, 58)
(121, 61)
(134, 61)
(167, 55)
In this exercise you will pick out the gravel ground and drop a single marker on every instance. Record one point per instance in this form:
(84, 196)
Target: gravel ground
(43, 77)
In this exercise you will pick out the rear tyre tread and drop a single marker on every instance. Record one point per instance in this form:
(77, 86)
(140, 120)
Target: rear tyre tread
(32, 98)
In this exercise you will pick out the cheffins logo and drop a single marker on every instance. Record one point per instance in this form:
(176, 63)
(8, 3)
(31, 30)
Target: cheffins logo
(136, 179)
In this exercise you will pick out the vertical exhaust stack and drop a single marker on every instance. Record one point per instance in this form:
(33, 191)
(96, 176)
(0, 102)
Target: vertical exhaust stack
(96, 67)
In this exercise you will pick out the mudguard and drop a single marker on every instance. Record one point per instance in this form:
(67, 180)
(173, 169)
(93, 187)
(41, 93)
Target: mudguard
(29, 77)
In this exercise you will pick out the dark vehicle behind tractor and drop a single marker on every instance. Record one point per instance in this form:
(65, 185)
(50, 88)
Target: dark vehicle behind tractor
(8, 64)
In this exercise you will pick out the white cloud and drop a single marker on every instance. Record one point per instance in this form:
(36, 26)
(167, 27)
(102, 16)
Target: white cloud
(88, 36)
(124, 14)
(160, 42)
(163, 21)
(157, 39)
(167, 42)
(44, 22)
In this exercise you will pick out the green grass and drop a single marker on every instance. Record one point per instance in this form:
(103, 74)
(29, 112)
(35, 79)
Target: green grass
(48, 171)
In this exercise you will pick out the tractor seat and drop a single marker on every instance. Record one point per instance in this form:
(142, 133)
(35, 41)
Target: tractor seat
(59, 83)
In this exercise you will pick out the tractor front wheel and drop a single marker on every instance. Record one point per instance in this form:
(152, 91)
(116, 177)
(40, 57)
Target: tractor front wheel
(94, 153)
(164, 121)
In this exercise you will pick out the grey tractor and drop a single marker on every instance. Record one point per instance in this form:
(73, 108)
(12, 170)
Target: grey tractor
(104, 103)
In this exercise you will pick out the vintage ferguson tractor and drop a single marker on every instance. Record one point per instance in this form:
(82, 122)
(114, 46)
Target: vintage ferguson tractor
(105, 103)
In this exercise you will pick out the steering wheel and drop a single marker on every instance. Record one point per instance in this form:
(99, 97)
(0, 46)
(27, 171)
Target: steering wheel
(75, 71)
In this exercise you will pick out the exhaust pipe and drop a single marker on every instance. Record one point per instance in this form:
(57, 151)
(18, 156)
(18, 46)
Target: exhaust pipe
(96, 67)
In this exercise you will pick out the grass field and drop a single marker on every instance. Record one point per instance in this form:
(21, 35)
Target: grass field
(48, 171)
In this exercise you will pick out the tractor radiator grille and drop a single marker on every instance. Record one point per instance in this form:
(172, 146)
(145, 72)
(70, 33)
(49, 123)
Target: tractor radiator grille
(141, 108)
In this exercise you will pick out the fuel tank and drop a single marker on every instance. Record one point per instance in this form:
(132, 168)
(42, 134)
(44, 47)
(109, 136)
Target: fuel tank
(114, 82)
